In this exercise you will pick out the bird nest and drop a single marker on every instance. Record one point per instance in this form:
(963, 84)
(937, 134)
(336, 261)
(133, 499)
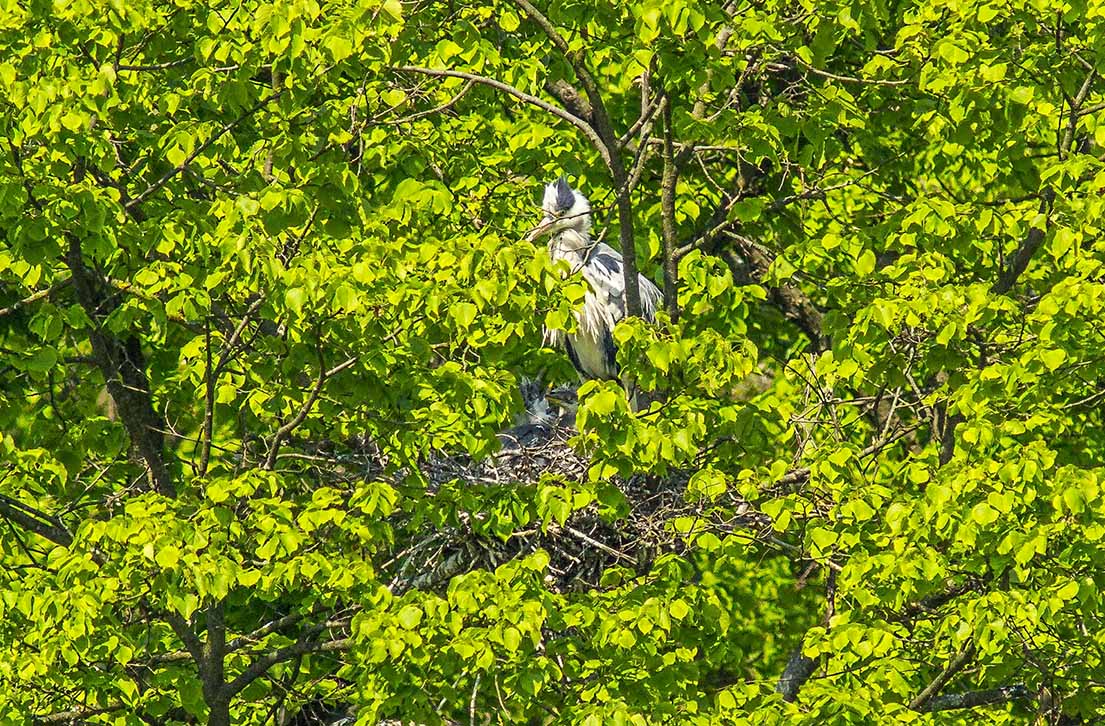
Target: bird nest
(580, 549)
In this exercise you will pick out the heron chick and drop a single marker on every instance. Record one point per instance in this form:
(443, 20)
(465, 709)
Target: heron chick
(567, 223)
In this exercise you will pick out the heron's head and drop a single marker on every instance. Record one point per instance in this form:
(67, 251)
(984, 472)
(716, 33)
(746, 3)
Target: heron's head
(564, 208)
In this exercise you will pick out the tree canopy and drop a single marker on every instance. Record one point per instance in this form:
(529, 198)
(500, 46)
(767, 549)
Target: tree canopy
(265, 306)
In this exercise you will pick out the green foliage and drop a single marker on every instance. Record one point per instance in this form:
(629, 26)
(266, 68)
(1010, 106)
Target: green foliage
(262, 270)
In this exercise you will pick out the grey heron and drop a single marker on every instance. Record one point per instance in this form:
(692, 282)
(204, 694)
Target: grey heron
(567, 223)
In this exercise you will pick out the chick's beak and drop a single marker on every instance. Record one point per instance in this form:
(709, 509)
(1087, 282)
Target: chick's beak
(540, 230)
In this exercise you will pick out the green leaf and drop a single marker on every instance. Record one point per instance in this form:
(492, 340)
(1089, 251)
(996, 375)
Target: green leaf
(43, 360)
(508, 21)
(865, 265)
(984, 514)
(1074, 500)
(602, 402)
(167, 557)
(409, 617)
(295, 299)
(1053, 358)
(464, 313)
(986, 13)
(175, 155)
(512, 639)
(340, 48)
(822, 538)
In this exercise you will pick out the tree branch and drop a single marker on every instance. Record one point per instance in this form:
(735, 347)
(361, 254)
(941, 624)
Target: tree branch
(300, 416)
(849, 79)
(77, 714)
(212, 668)
(974, 699)
(582, 73)
(800, 666)
(1032, 241)
(521, 96)
(273, 626)
(262, 665)
(569, 96)
(1076, 113)
(1018, 263)
(1036, 235)
(208, 400)
(955, 665)
(935, 601)
(699, 108)
(184, 631)
(32, 298)
(430, 111)
(212, 373)
(123, 366)
(667, 219)
(794, 304)
(33, 520)
(798, 670)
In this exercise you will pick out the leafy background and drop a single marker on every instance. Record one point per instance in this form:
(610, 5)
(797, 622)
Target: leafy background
(265, 308)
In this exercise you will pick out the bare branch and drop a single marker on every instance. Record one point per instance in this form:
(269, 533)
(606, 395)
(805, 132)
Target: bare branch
(584, 537)
(1076, 113)
(644, 146)
(268, 628)
(77, 714)
(301, 415)
(238, 643)
(1018, 263)
(800, 667)
(431, 111)
(208, 399)
(849, 79)
(212, 670)
(187, 636)
(571, 98)
(644, 122)
(155, 66)
(212, 374)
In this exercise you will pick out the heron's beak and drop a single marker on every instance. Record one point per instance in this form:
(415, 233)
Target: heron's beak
(566, 401)
(541, 229)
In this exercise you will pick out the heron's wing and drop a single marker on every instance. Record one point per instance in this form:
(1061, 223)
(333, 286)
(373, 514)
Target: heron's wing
(604, 271)
(651, 298)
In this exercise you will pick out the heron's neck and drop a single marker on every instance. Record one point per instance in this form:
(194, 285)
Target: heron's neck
(571, 245)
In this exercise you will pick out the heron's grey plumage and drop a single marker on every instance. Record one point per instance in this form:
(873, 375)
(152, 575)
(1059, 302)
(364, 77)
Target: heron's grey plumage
(564, 197)
(591, 347)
